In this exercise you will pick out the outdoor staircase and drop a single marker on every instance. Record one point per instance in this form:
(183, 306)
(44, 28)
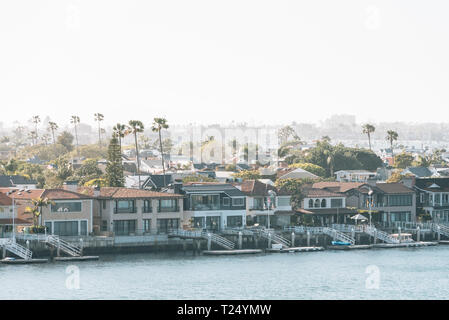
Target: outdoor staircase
(274, 237)
(215, 238)
(66, 247)
(441, 229)
(12, 246)
(381, 235)
(338, 235)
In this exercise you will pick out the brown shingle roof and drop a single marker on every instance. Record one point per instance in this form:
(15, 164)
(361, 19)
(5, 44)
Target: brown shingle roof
(394, 188)
(62, 194)
(256, 188)
(315, 192)
(126, 193)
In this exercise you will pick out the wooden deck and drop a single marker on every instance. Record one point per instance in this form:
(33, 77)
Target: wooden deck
(81, 258)
(295, 249)
(405, 245)
(351, 247)
(24, 261)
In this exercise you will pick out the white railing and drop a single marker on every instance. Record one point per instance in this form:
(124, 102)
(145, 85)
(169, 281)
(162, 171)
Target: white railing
(348, 228)
(338, 235)
(381, 235)
(12, 246)
(274, 237)
(191, 234)
(66, 247)
(441, 229)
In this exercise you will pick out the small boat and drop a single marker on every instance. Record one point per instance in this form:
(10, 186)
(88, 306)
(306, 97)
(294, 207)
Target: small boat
(340, 243)
(9, 259)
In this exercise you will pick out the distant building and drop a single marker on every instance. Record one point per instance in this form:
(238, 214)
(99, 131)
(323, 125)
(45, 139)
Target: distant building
(297, 173)
(354, 175)
(17, 182)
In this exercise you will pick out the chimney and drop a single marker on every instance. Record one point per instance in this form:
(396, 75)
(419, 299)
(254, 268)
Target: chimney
(96, 191)
(409, 181)
(177, 186)
(70, 185)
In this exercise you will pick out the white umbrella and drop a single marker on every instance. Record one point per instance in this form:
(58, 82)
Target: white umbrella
(359, 217)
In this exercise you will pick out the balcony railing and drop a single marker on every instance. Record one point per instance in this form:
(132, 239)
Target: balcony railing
(168, 209)
(147, 209)
(125, 210)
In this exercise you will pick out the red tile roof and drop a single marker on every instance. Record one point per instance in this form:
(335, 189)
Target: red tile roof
(337, 186)
(315, 192)
(62, 194)
(256, 188)
(5, 200)
(27, 194)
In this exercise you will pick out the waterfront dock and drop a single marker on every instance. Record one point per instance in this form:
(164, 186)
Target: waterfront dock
(80, 258)
(294, 249)
(351, 247)
(23, 261)
(231, 252)
(405, 244)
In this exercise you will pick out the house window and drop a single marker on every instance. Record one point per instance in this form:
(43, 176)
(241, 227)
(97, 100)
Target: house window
(147, 208)
(104, 204)
(124, 227)
(66, 207)
(336, 203)
(227, 202)
(317, 203)
(83, 227)
(104, 225)
(65, 228)
(146, 225)
(164, 225)
(323, 203)
(213, 223)
(234, 221)
(124, 206)
(237, 202)
(310, 203)
(168, 205)
(400, 200)
(283, 201)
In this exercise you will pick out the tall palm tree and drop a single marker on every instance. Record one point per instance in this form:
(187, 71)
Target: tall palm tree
(36, 120)
(368, 129)
(120, 132)
(135, 127)
(158, 125)
(99, 117)
(392, 136)
(75, 120)
(38, 204)
(45, 138)
(52, 126)
(33, 137)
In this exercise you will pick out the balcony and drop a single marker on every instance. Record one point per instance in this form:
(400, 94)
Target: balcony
(125, 210)
(147, 209)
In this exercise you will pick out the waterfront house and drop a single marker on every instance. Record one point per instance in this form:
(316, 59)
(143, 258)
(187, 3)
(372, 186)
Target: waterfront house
(389, 202)
(265, 200)
(354, 175)
(213, 206)
(419, 172)
(433, 197)
(156, 181)
(6, 215)
(126, 211)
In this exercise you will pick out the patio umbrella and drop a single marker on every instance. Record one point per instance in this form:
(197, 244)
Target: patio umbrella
(358, 217)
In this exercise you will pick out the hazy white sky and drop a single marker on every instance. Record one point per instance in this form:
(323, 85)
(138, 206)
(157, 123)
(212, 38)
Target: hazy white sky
(217, 61)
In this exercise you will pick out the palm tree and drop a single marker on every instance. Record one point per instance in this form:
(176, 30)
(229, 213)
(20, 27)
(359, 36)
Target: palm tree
(33, 137)
(99, 117)
(368, 129)
(120, 132)
(135, 127)
(36, 120)
(75, 120)
(52, 126)
(158, 125)
(391, 136)
(45, 138)
(38, 204)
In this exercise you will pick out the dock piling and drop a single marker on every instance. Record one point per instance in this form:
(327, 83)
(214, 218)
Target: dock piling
(240, 240)
(308, 238)
(293, 239)
(418, 233)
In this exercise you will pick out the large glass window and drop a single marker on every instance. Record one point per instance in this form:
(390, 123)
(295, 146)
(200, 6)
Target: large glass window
(337, 203)
(400, 216)
(168, 205)
(234, 221)
(213, 223)
(164, 225)
(283, 201)
(66, 207)
(205, 202)
(400, 200)
(65, 228)
(198, 222)
(125, 206)
(124, 227)
(238, 202)
(147, 207)
(146, 225)
(83, 229)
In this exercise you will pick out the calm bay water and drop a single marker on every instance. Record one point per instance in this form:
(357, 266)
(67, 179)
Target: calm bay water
(421, 273)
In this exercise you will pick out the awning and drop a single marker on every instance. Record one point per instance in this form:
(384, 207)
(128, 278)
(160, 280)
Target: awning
(8, 222)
